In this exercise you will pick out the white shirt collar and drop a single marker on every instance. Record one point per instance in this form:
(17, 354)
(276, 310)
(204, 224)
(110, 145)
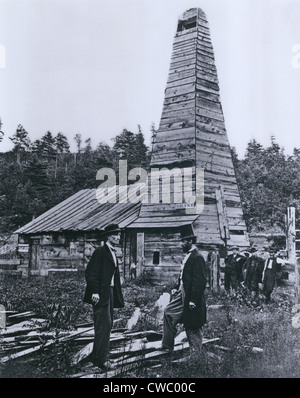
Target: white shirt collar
(192, 248)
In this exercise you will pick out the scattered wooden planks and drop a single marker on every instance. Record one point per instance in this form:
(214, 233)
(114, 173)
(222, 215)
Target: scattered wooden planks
(23, 327)
(129, 349)
(31, 350)
(124, 364)
(25, 330)
(125, 342)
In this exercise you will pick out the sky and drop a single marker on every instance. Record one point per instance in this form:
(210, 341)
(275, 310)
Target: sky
(95, 67)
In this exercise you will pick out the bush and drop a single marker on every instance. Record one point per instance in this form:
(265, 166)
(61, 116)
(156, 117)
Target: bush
(57, 298)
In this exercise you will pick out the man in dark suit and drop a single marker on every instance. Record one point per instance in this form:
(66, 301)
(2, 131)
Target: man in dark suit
(254, 270)
(233, 270)
(188, 304)
(104, 292)
(271, 269)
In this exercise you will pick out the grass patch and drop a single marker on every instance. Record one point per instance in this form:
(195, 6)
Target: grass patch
(261, 340)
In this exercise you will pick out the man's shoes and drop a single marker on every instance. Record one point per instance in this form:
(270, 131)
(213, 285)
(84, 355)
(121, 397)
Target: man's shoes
(166, 349)
(107, 366)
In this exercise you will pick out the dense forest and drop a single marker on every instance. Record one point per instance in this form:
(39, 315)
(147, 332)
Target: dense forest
(269, 182)
(36, 175)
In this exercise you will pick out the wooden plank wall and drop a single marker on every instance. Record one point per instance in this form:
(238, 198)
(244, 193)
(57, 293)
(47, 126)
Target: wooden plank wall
(168, 245)
(212, 145)
(192, 133)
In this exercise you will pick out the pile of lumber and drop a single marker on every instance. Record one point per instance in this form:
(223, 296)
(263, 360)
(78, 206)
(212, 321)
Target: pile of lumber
(25, 334)
(132, 350)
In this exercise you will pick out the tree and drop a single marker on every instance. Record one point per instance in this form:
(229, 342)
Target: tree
(78, 140)
(88, 145)
(141, 150)
(61, 143)
(266, 179)
(254, 150)
(61, 147)
(21, 142)
(46, 146)
(104, 155)
(124, 145)
(131, 147)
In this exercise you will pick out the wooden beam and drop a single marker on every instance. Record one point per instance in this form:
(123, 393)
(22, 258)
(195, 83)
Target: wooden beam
(222, 214)
(124, 365)
(140, 252)
(37, 348)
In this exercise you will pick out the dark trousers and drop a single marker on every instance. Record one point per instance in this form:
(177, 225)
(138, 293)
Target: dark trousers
(269, 283)
(252, 279)
(230, 279)
(173, 314)
(103, 321)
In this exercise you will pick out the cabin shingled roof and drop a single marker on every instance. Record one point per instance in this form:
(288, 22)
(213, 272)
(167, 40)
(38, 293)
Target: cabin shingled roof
(82, 212)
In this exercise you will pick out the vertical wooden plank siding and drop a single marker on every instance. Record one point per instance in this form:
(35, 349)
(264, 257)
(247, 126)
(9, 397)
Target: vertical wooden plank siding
(192, 134)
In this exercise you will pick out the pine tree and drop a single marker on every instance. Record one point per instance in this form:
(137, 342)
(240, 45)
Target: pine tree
(131, 147)
(124, 146)
(104, 155)
(45, 147)
(61, 143)
(21, 142)
(141, 150)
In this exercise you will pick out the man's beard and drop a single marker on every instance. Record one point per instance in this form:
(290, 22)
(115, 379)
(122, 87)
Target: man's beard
(185, 249)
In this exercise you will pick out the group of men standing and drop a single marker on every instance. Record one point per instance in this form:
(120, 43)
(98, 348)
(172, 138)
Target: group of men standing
(187, 305)
(103, 291)
(252, 271)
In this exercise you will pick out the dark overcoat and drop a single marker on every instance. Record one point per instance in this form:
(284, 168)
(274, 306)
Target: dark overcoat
(254, 271)
(194, 284)
(234, 265)
(98, 275)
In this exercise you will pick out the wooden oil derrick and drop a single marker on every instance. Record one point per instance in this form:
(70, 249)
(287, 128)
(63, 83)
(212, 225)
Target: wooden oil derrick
(191, 136)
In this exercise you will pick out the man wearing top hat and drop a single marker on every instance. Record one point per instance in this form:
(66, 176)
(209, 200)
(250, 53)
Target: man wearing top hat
(254, 270)
(188, 303)
(104, 292)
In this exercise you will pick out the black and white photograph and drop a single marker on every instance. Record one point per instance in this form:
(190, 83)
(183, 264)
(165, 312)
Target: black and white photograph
(149, 192)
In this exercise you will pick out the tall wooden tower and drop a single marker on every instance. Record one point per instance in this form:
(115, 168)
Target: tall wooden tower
(191, 135)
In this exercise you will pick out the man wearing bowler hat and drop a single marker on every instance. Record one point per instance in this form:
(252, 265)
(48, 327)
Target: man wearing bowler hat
(104, 292)
(188, 303)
